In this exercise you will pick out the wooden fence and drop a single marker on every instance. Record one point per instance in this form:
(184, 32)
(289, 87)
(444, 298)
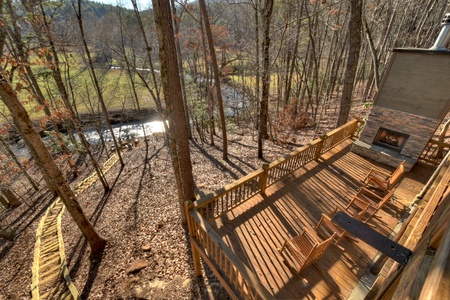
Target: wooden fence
(234, 275)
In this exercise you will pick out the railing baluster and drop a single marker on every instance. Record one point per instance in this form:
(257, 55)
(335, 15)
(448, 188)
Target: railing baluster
(241, 280)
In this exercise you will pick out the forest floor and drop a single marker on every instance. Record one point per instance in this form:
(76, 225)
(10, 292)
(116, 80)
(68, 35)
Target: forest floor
(140, 218)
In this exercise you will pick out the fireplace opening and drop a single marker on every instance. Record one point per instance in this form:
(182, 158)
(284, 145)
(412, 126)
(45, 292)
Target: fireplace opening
(390, 139)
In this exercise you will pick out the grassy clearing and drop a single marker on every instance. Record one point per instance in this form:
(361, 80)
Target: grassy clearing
(114, 84)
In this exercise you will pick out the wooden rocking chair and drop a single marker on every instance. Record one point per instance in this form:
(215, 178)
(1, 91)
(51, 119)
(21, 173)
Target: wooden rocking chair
(304, 249)
(382, 180)
(334, 230)
(367, 204)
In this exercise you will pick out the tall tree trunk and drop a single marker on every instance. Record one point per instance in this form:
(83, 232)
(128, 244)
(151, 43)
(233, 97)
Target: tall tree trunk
(264, 107)
(94, 79)
(181, 158)
(52, 175)
(34, 87)
(131, 78)
(355, 26)
(56, 72)
(21, 167)
(177, 21)
(156, 96)
(373, 52)
(293, 61)
(9, 195)
(209, 97)
(215, 68)
(257, 63)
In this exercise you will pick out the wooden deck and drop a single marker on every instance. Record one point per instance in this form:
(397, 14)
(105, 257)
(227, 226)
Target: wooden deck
(255, 229)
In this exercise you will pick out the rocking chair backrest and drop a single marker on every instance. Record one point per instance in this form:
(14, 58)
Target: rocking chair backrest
(318, 251)
(397, 174)
(305, 249)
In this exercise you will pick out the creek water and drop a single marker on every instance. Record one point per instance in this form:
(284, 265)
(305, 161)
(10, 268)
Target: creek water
(234, 105)
(123, 131)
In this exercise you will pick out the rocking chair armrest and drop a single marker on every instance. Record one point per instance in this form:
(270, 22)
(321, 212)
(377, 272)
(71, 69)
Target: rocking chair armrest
(283, 246)
(366, 191)
(379, 171)
(365, 204)
(338, 208)
(320, 222)
(382, 184)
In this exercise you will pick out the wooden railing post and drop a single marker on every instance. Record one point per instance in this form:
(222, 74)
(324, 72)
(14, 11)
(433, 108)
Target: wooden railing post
(195, 255)
(263, 179)
(319, 147)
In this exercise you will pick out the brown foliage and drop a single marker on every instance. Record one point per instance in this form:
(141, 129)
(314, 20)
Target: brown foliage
(287, 122)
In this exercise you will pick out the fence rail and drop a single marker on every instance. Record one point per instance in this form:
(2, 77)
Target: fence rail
(235, 276)
(220, 202)
(434, 152)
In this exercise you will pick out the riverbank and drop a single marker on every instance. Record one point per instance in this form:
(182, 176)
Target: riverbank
(91, 121)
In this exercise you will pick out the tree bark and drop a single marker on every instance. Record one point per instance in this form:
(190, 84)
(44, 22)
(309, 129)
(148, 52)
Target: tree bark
(177, 21)
(9, 195)
(156, 96)
(355, 26)
(52, 175)
(209, 97)
(6, 235)
(257, 63)
(264, 107)
(215, 67)
(181, 158)
(95, 81)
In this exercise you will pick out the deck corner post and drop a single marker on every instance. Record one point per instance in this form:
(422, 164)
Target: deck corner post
(188, 205)
(319, 147)
(263, 179)
(196, 261)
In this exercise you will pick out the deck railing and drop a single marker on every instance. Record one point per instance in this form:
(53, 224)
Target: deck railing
(434, 152)
(234, 275)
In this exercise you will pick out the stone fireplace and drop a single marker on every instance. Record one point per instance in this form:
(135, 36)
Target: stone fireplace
(390, 139)
(413, 99)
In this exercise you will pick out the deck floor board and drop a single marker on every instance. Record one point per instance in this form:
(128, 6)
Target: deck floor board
(258, 227)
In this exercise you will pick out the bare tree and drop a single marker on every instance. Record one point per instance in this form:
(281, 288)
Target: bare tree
(44, 31)
(355, 28)
(52, 175)
(215, 67)
(264, 107)
(174, 103)
(94, 78)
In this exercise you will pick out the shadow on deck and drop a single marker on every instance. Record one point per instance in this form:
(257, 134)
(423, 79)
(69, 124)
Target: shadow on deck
(255, 228)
